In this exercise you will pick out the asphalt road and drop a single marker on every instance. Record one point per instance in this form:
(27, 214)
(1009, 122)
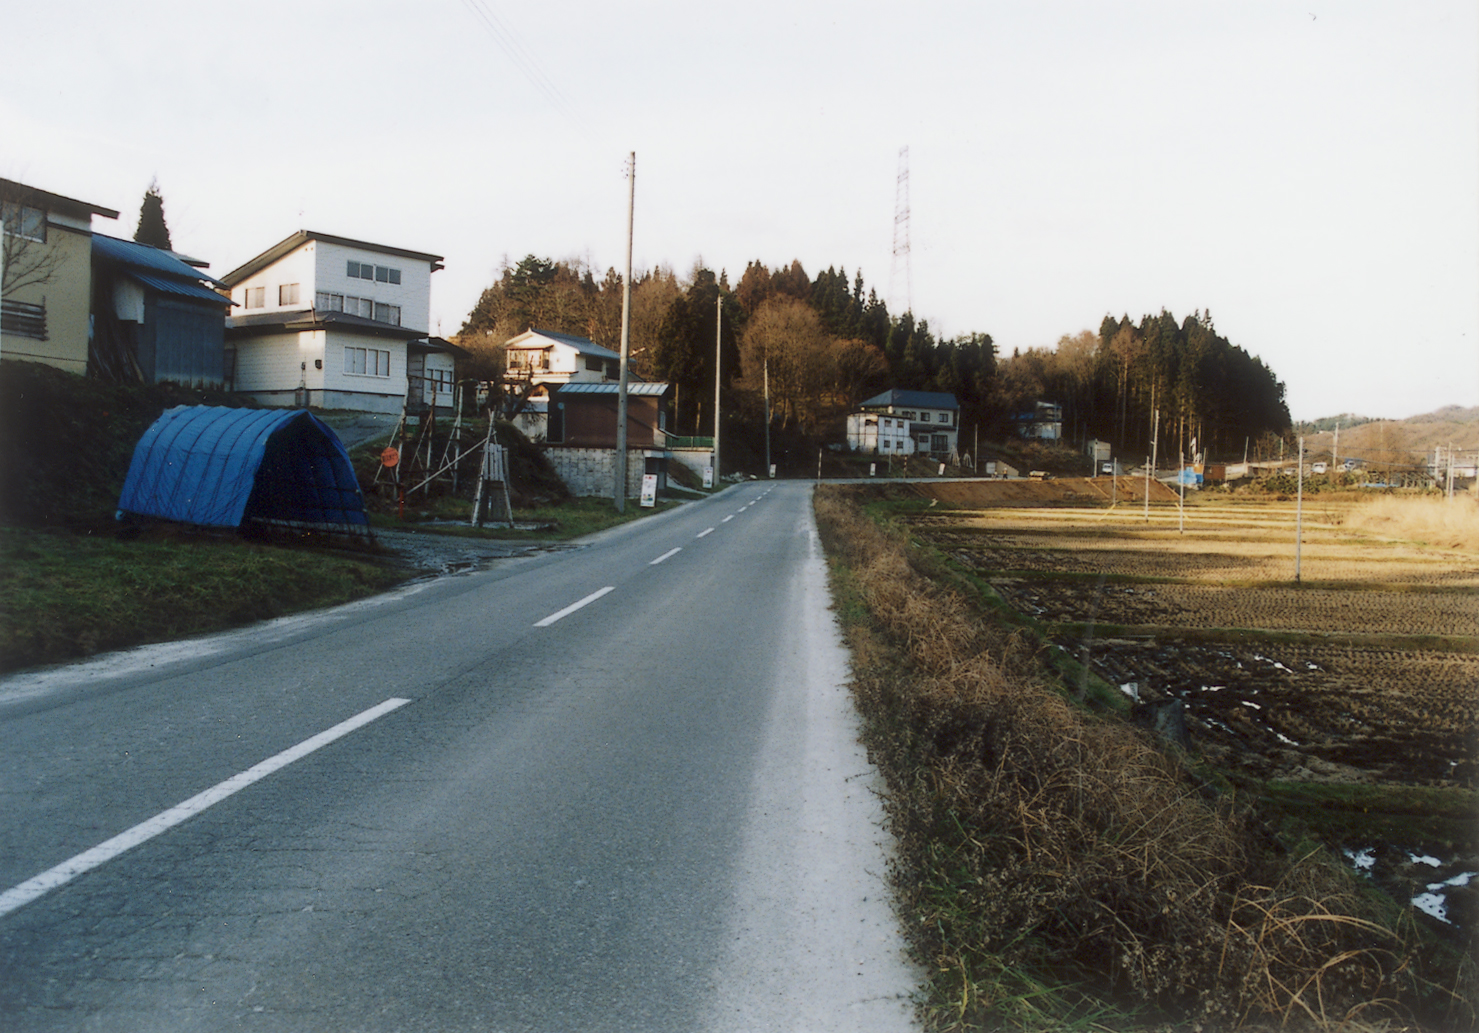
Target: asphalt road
(610, 788)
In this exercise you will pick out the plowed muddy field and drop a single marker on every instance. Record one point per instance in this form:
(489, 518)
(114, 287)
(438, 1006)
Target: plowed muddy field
(1354, 688)
(1366, 670)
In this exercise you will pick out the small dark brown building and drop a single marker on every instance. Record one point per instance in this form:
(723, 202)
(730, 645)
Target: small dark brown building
(583, 415)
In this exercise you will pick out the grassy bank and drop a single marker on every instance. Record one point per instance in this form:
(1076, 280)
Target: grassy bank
(1058, 869)
(65, 596)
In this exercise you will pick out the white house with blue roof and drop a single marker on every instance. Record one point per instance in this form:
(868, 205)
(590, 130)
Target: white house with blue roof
(905, 422)
(156, 316)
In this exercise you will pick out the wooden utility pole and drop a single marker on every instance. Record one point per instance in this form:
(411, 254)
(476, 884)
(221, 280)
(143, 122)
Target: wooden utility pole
(626, 345)
(718, 375)
(766, 367)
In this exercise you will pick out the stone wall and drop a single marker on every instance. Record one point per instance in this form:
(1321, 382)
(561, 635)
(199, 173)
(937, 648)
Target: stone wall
(592, 471)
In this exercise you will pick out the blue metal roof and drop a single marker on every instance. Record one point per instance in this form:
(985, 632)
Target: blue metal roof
(220, 467)
(143, 257)
(644, 389)
(183, 288)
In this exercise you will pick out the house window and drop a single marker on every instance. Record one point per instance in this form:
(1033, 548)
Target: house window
(439, 381)
(359, 307)
(907, 414)
(924, 417)
(940, 443)
(387, 314)
(594, 364)
(23, 319)
(326, 302)
(369, 362)
(23, 221)
(287, 294)
(368, 271)
(256, 297)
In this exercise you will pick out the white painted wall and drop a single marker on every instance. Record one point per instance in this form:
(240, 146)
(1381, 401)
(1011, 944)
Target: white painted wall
(412, 294)
(268, 363)
(294, 267)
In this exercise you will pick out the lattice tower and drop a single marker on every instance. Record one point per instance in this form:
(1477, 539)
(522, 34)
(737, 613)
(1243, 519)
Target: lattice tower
(901, 241)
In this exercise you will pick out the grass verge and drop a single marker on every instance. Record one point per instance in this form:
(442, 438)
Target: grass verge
(64, 596)
(1058, 869)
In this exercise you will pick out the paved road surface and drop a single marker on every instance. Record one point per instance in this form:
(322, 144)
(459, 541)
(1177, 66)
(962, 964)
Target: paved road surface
(646, 812)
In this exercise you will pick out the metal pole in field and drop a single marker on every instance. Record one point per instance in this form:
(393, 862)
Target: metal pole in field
(1147, 489)
(1181, 507)
(1299, 511)
(626, 346)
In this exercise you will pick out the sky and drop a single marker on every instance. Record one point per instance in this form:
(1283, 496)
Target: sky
(1306, 172)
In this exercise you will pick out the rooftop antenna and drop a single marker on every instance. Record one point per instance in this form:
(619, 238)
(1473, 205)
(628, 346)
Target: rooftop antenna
(901, 236)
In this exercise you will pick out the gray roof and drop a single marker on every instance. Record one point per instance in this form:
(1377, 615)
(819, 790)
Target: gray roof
(19, 193)
(917, 399)
(302, 237)
(309, 319)
(584, 345)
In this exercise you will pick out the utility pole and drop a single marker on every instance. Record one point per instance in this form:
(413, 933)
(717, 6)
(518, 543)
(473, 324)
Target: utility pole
(1299, 511)
(1155, 446)
(1335, 451)
(766, 367)
(626, 345)
(718, 378)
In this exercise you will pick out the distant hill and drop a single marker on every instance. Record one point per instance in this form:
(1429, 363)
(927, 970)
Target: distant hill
(1397, 440)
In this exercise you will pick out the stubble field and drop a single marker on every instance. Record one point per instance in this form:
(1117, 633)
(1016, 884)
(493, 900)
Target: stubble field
(1365, 671)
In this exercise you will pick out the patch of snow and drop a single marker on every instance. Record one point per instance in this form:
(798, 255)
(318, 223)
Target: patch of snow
(1213, 688)
(1434, 904)
(1363, 861)
(1250, 703)
(1131, 689)
(1285, 739)
(1426, 859)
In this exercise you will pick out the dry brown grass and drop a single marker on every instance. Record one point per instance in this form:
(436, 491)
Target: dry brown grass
(1043, 847)
(1445, 523)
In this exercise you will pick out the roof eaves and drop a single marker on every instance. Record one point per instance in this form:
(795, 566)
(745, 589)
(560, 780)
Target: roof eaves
(296, 240)
(23, 194)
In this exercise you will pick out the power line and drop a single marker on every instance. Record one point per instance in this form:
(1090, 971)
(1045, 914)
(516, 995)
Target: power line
(508, 41)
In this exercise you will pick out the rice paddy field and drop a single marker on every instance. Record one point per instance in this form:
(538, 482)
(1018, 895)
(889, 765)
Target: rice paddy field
(1359, 677)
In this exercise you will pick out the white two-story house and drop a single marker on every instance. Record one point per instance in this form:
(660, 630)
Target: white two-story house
(336, 323)
(905, 422)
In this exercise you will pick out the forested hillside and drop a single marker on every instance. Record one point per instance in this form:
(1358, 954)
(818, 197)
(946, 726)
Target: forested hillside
(825, 343)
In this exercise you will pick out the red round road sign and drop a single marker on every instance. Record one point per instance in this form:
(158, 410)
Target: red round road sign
(390, 456)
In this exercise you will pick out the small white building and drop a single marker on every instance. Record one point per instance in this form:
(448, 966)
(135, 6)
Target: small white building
(542, 361)
(905, 422)
(336, 323)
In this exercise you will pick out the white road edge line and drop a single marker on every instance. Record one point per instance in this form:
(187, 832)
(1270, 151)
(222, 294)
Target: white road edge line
(19, 896)
(707, 530)
(567, 611)
(667, 555)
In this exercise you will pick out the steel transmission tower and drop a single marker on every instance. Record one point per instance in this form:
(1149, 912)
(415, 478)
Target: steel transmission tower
(901, 239)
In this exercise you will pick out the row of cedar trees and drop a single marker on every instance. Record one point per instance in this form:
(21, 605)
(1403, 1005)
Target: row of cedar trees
(828, 343)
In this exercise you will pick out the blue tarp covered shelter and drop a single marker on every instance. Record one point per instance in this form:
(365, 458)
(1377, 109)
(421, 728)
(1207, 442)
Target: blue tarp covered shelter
(221, 467)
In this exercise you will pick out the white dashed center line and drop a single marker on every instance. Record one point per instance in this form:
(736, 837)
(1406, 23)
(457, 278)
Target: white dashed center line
(567, 611)
(707, 530)
(667, 555)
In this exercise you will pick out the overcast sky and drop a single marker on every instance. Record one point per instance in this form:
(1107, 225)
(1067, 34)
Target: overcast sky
(1308, 172)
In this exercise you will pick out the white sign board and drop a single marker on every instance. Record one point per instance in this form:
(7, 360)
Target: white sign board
(649, 489)
(708, 477)
(772, 471)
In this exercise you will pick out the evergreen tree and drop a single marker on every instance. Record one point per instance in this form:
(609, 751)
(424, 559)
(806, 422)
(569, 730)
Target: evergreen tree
(152, 229)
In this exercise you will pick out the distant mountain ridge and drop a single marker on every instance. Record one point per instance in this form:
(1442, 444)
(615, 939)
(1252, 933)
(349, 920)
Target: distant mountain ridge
(1415, 436)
